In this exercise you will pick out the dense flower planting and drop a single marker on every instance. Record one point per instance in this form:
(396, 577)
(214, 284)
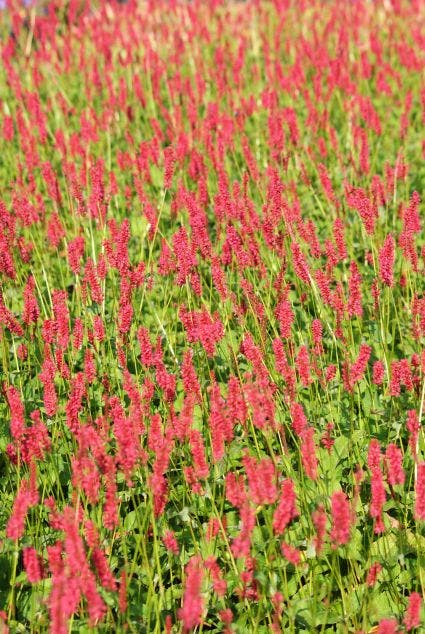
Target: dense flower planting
(212, 311)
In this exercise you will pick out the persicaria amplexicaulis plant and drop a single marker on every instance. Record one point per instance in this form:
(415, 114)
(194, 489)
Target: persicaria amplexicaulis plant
(212, 316)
